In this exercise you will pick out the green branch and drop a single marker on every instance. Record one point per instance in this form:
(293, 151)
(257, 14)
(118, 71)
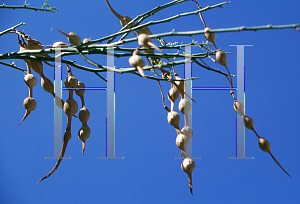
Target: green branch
(49, 9)
(11, 29)
(13, 66)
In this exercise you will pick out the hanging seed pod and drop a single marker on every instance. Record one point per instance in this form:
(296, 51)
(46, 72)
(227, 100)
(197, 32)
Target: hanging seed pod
(30, 80)
(238, 107)
(84, 115)
(173, 95)
(71, 81)
(60, 45)
(59, 102)
(29, 104)
(188, 166)
(124, 20)
(249, 123)
(145, 41)
(210, 37)
(70, 107)
(37, 66)
(180, 85)
(79, 92)
(73, 38)
(182, 141)
(184, 106)
(186, 130)
(47, 85)
(173, 118)
(265, 146)
(144, 30)
(137, 62)
(34, 44)
(221, 58)
(83, 134)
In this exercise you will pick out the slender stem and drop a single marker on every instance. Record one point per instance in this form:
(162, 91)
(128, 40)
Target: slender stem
(3, 6)
(13, 66)
(11, 29)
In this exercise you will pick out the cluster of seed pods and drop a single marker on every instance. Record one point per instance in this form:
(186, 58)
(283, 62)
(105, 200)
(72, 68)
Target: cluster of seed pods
(221, 58)
(186, 133)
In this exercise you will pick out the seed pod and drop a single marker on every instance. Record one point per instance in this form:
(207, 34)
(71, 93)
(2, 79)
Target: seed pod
(59, 102)
(145, 41)
(29, 104)
(182, 141)
(238, 107)
(221, 58)
(173, 95)
(188, 166)
(86, 40)
(34, 44)
(70, 107)
(73, 38)
(30, 80)
(137, 62)
(173, 119)
(186, 130)
(84, 115)
(180, 85)
(264, 144)
(37, 66)
(47, 85)
(209, 36)
(123, 19)
(60, 45)
(80, 92)
(184, 106)
(71, 82)
(144, 30)
(83, 134)
(249, 123)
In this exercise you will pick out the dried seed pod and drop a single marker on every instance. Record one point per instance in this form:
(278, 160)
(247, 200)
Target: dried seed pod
(186, 130)
(173, 95)
(60, 44)
(238, 107)
(137, 62)
(84, 115)
(249, 123)
(173, 118)
(184, 106)
(34, 44)
(188, 166)
(47, 85)
(264, 144)
(71, 81)
(145, 41)
(37, 66)
(144, 30)
(180, 85)
(59, 102)
(86, 40)
(83, 134)
(123, 19)
(209, 36)
(73, 38)
(182, 141)
(29, 104)
(221, 58)
(80, 92)
(70, 107)
(30, 80)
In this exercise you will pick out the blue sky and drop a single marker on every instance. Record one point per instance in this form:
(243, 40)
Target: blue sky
(149, 172)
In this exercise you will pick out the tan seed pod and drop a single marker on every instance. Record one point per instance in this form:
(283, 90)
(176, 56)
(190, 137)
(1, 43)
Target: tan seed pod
(84, 115)
(145, 41)
(59, 102)
(238, 107)
(70, 107)
(47, 85)
(30, 80)
(188, 165)
(86, 40)
(209, 36)
(173, 94)
(80, 92)
(182, 141)
(249, 123)
(83, 134)
(184, 106)
(73, 38)
(221, 58)
(123, 19)
(34, 44)
(29, 104)
(144, 30)
(173, 119)
(137, 62)
(71, 82)
(186, 130)
(264, 144)
(37, 66)
(60, 44)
